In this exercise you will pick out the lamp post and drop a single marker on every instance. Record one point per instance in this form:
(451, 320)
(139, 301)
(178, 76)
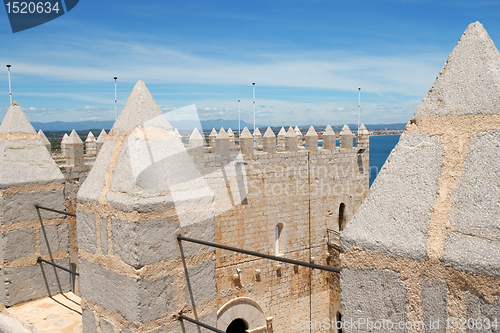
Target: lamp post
(253, 84)
(10, 90)
(115, 96)
(239, 119)
(359, 105)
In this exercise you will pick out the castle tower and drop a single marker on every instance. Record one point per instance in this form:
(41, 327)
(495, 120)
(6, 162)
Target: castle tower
(329, 138)
(291, 140)
(311, 139)
(90, 145)
(143, 191)
(363, 140)
(269, 141)
(427, 237)
(346, 137)
(100, 141)
(44, 139)
(64, 139)
(28, 177)
(281, 139)
(246, 142)
(74, 150)
(257, 135)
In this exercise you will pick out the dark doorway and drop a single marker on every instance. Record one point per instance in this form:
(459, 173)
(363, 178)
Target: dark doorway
(341, 217)
(237, 326)
(339, 322)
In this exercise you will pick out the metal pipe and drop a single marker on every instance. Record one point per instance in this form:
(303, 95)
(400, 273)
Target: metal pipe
(262, 255)
(180, 316)
(56, 265)
(54, 210)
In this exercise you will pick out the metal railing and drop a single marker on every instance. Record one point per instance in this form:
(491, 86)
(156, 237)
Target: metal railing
(262, 255)
(333, 238)
(51, 261)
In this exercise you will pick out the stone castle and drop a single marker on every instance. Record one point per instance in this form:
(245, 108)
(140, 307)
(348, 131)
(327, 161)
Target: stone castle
(419, 253)
(265, 193)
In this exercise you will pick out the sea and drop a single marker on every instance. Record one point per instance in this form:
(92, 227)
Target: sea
(380, 148)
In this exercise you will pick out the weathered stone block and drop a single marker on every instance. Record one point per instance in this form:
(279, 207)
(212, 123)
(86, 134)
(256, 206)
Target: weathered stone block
(88, 321)
(106, 326)
(133, 298)
(57, 236)
(472, 254)
(86, 231)
(104, 235)
(22, 284)
(20, 206)
(434, 296)
(478, 308)
(370, 295)
(18, 244)
(37, 165)
(202, 279)
(144, 242)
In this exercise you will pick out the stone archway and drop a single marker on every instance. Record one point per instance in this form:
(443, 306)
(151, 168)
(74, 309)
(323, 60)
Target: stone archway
(243, 308)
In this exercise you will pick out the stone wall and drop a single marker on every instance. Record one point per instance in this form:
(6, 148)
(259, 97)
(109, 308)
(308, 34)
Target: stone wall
(257, 191)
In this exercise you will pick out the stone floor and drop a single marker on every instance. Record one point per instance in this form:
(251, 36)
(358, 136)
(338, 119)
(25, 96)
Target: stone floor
(58, 314)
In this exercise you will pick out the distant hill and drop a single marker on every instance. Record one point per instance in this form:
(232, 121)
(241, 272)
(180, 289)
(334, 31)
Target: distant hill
(78, 125)
(188, 125)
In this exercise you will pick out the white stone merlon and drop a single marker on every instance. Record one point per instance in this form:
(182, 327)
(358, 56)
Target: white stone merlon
(363, 139)
(90, 145)
(222, 143)
(29, 176)
(299, 136)
(64, 139)
(44, 139)
(311, 139)
(257, 135)
(246, 142)
(433, 207)
(196, 144)
(346, 137)
(269, 141)
(74, 149)
(176, 131)
(211, 138)
(329, 138)
(230, 135)
(291, 140)
(281, 139)
(100, 141)
(147, 189)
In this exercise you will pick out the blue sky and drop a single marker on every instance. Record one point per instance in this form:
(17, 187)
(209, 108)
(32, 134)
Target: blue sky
(307, 57)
